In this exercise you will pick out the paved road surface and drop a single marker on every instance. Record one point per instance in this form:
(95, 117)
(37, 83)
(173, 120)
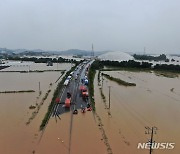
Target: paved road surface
(73, 88)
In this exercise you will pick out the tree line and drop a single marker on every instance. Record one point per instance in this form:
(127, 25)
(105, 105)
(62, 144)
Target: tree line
(126, 64)
(97, 65)
(161, 57)
(42, 60)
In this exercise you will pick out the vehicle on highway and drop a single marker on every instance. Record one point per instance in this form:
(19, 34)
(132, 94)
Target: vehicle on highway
(71, 73)
(84, 92)
(69, 77)
(68, 100)
(66, 82)
(86, 82)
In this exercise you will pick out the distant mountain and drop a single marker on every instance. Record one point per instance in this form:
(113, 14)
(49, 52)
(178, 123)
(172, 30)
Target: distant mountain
(75, 52)
(39, 52)
(6, 52)
(33, 53)
(17, 51)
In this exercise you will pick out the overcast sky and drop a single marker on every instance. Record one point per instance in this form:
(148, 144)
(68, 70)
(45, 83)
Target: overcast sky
(122, 25)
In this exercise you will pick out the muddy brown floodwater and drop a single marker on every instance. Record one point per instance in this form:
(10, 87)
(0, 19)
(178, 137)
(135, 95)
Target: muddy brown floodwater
(154, 101)
(15, 136)
(151, 103)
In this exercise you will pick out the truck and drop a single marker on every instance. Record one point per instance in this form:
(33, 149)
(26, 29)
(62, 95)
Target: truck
(84, 92)
(68, 100)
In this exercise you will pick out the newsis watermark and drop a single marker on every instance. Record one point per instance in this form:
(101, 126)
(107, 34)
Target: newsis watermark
(154, 146)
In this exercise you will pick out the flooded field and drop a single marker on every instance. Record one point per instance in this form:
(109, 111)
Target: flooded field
(16, 136)
(30, 66)
(154, 101)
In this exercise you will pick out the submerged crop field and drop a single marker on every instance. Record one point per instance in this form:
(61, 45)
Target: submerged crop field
(153, 102)
(21, 108)
(125, 103)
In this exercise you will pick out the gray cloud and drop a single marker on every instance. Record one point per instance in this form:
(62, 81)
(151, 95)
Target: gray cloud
(125, 25)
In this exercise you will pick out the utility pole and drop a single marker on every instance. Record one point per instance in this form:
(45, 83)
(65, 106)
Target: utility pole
(151, 141)
(102, 81)
(39, 88)
(92, 54)
(109, 96)
(153, 131)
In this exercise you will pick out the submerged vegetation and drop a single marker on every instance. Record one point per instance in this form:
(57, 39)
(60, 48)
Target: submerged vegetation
(161, 57)
(20, 91)
(32, 107)
(172, 89)
(46, 95)
(37, 107)
(166, 74)
(103, 98)
(102, 95)
(99, 80)
(119, 81)
(91, 75)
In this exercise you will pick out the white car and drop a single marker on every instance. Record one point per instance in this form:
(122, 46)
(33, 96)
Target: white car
(69, 77)
(66, 82)
(85, 77)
